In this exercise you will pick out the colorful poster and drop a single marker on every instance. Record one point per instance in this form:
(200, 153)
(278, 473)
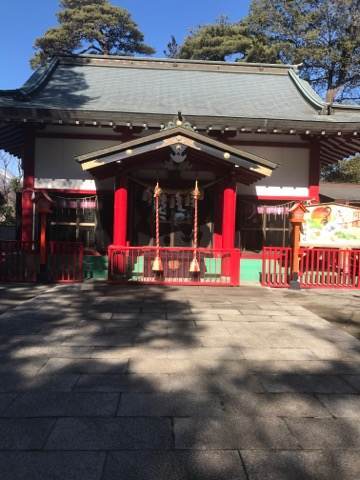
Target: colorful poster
(331, 225)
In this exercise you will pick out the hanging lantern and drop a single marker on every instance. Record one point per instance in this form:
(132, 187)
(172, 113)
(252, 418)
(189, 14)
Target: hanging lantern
(157, 266)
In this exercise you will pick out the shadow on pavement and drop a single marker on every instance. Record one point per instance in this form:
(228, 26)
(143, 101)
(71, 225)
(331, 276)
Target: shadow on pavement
(152, 383)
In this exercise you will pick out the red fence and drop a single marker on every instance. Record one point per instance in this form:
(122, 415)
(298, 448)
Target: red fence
(135, 264)
(65, 262)
(20, 262)
(318, 268)
(329, 268)
(276, 266)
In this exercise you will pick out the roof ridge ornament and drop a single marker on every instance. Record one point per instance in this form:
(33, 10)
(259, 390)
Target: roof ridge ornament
(178, 121)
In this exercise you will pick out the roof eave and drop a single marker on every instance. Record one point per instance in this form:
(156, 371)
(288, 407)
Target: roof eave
(36, 81)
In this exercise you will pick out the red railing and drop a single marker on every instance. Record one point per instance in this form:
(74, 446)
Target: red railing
(19, 261)
(318, 267)
(329, 268)
(135, 264)
(65, 262)
(276, 266)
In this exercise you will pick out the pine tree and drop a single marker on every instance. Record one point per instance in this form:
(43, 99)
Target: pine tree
(323, 35)
(172, 48)
(216, 41)
(347, 171)
(90, 26)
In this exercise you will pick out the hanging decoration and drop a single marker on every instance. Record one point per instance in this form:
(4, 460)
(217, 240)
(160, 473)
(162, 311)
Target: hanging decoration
(66, 208)
(174, 205)
(194, 265)
(76, 202)
(276, 210)
(157, 264)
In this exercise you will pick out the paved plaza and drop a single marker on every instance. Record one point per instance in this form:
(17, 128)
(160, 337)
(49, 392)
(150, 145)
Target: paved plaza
(104, 382)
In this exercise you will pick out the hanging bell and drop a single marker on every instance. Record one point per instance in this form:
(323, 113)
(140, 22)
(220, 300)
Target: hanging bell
(157, 265)
(196, 192)
(157, 190)
(194, 266)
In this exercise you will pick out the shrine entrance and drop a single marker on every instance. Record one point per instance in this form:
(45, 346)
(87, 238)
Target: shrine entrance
(175, 206)
(176, 216)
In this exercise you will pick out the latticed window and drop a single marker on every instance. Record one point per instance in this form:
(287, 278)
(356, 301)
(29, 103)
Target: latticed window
(74, 220)
(262, 224)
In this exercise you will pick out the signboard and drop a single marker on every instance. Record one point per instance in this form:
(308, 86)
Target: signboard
(331, 225)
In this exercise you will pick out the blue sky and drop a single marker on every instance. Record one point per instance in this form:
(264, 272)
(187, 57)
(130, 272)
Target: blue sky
(21, 21)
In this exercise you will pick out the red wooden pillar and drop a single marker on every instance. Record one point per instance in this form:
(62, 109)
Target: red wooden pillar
(314, 171)
(218, 207)
(28, 163)
(229, 215)
(228, 226)
(120, 211)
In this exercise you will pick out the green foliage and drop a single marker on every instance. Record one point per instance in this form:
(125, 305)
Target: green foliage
(216, 41)
(90, 26)
(347, 171)
(323, 35)
(172, 48)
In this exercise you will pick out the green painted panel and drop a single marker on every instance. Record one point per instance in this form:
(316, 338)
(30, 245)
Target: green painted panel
(250, 270)
(95, 267)
(212, 267)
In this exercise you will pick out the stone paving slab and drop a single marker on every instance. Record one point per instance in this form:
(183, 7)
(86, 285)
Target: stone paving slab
(170, 405)
(308, 465)
(342, 405)
(305, 383)
(16, 383)
(275, 405)
(63, 404)
(111, 434)
(353, 380)
(175, 465)
(123, 383)
(51, 465)
(323, 433)
(233, 433)
(5, 400)
(24, 433)
(67, 365)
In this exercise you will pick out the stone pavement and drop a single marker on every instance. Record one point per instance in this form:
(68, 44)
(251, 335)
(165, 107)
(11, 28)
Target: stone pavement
(106, 382)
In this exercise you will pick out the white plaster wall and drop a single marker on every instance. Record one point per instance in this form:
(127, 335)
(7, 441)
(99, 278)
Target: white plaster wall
(56, 167)
(290, 178)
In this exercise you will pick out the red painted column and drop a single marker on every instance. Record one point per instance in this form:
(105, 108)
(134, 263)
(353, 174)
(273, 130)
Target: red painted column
(28, 163)
(120, 211)
(218, 208)
(229, 213)
(314, 171)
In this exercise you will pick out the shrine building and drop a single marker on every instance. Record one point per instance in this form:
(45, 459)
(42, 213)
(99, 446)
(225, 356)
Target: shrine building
(150, 160)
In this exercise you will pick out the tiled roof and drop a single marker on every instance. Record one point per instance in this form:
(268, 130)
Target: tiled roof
(163, 87)
(341, 191)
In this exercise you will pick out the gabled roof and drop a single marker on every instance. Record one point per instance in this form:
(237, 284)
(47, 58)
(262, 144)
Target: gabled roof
(131, 89)
(255, 166)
